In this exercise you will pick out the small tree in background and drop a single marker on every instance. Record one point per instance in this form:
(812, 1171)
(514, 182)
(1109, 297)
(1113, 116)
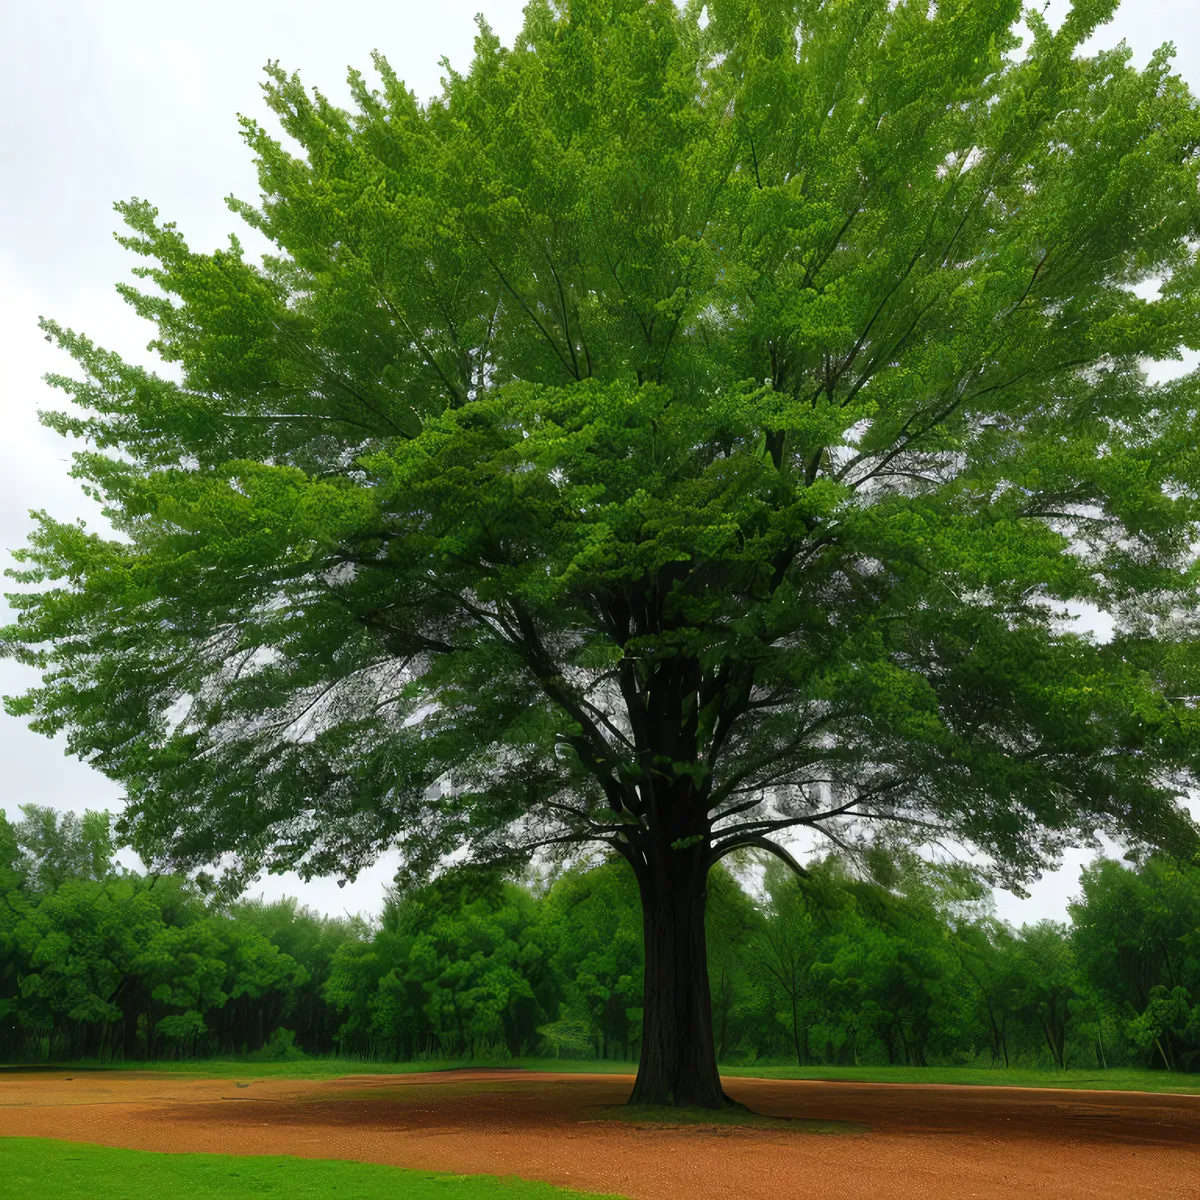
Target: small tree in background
(679, 432)
(987, 951)
(784, 951)
(50, 847)
(1049, 984)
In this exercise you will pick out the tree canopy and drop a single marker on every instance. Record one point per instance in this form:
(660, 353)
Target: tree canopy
(689, 426)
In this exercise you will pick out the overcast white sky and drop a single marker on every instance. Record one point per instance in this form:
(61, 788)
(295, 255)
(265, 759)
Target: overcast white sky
(101, 100)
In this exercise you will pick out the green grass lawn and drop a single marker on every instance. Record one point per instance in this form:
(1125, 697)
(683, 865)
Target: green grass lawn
(37, 1168)
(319, 1067)
(1117, 1079)
(658, 1114)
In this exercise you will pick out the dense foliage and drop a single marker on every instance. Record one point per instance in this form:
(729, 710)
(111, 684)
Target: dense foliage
(695, 422)
(906, 967)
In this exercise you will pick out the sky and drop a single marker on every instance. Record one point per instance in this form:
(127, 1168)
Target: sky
(104, 101)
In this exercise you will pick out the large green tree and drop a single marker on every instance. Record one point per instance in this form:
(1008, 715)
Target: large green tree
(689, 426)
(1136, 938)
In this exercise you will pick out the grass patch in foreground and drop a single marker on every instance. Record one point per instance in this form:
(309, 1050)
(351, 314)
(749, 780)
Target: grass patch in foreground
(661, 1114)
(1117, 1079)
(46, 1169)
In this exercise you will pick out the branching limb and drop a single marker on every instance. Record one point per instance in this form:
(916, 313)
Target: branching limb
(762, 843)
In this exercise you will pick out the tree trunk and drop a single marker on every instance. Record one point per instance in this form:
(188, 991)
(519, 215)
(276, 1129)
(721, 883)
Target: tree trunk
(1052, 1041)
(995, 1030)
(1163, 1053)
(678, 1061)
(796, 1032)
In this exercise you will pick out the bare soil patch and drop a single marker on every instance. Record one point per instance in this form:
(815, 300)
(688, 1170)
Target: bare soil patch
(923, 1140)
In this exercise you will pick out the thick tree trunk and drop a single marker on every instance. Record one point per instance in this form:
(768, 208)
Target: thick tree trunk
(678, 1061)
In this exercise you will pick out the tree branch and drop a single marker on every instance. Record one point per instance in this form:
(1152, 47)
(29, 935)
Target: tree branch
(762, 843)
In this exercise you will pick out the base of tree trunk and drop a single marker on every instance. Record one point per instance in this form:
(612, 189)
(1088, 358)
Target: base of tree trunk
(728, 1105)
(664, 1098)
(678, 1066)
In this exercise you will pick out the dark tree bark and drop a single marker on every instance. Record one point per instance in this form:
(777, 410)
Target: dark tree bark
(678, 1062)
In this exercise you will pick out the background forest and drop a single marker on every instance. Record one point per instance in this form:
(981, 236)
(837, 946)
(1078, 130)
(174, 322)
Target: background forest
(895, 961)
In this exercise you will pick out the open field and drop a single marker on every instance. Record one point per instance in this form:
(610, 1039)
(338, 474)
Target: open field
(331, 1067)
(1117, 1079)
(921, 1141)
(38, 1169)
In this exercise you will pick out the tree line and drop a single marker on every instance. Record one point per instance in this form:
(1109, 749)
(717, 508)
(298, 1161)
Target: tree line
(889, 960)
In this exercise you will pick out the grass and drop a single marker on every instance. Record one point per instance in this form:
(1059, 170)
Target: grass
(654, 1114)
(332, 1067)
(1116, 1079)
(37, 1168)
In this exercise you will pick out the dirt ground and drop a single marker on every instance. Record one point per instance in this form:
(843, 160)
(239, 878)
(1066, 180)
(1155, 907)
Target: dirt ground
(924, 1140)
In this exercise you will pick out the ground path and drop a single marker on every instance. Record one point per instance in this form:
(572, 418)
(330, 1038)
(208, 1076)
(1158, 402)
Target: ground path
(925, 1140)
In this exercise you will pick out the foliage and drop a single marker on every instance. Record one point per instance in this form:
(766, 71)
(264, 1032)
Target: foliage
(110, 963)
(592, 921)
(901, 964)
(785, 951)
(47, 847)
(1136, 934)
(280, 1047)
(950, 348)
(675, 432)
(732, 922)
(1049, 982)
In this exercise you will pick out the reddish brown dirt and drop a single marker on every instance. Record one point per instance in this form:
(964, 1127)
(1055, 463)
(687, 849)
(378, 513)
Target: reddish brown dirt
(925, 1141)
